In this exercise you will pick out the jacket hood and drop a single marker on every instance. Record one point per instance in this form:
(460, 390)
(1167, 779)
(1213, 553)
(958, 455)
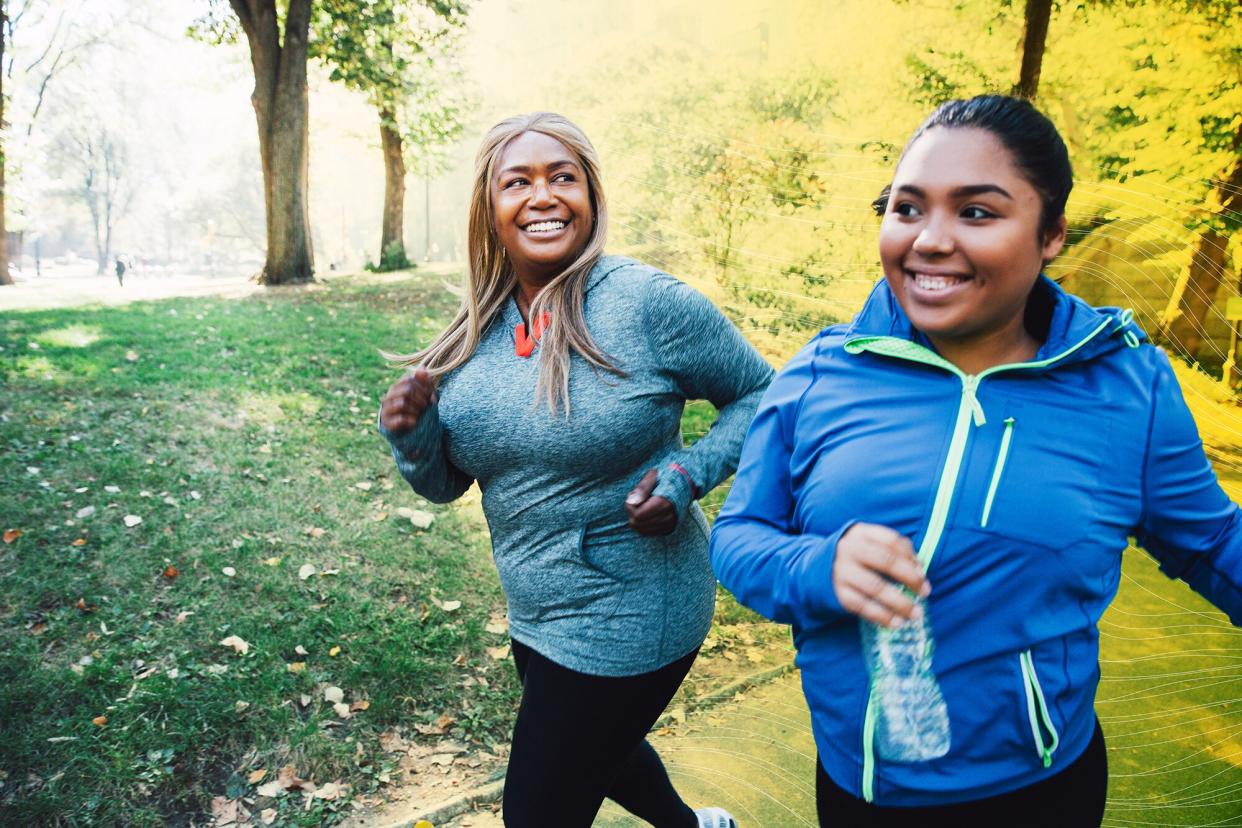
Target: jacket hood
(1076, 330)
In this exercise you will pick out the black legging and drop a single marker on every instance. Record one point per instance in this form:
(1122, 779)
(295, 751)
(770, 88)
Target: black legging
(579, 738)
(1073, 797)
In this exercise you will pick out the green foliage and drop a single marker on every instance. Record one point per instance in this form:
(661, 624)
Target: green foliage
(403, 55)
(217, 25)
(392, 258)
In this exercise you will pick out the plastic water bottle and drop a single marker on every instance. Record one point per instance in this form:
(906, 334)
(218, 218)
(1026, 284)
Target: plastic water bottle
(911, 720)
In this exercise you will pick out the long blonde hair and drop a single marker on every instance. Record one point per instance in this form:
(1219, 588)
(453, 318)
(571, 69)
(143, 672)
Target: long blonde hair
(492, 278)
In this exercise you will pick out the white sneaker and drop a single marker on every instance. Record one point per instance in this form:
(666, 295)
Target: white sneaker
(715, 818)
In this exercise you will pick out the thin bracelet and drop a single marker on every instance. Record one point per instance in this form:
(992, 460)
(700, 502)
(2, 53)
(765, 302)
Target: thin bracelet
(694, 490)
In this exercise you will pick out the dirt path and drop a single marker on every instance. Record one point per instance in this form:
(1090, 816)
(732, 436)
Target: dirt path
(76, 291)
(753, 755)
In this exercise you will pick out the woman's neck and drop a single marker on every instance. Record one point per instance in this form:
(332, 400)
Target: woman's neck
(976, 354)
(527, 289)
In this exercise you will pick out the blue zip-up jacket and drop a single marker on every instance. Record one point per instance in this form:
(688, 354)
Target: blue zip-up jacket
(1018, 486)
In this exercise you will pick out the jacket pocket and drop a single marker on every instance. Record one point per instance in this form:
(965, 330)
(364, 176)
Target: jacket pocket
(1043, 731)
(998, 470)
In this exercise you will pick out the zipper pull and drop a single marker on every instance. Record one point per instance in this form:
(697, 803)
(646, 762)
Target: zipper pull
(970, 383)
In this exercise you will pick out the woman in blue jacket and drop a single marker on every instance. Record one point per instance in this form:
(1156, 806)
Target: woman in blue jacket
(963, 464)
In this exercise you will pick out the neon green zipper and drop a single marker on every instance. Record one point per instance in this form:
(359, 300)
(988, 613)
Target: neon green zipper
(969, 409)
(1037, 710)
(1001, 456)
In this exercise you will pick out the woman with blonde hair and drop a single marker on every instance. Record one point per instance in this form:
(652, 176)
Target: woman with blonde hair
(559, 387)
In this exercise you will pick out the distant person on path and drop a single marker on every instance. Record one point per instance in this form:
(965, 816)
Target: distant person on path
(120, 271)
(937, 495)
(559, 387)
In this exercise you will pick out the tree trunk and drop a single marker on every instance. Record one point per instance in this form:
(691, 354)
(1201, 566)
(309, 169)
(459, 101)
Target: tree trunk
(393, 232)
(281, 108)
(1195, 294)
(1035, 35)
(5, 278)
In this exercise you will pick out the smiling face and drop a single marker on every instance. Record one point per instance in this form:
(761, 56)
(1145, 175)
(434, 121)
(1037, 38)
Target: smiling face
(541, 203)
(961, 246)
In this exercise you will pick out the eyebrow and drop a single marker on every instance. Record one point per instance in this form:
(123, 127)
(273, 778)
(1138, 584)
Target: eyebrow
(524, 168)
(959, 192)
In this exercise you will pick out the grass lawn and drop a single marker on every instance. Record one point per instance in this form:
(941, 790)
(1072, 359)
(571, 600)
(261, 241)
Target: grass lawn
(241, 433)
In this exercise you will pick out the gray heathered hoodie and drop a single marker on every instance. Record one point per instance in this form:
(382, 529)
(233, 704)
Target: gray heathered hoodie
(584, 589)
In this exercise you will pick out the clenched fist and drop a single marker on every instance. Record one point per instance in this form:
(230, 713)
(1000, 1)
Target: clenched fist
(406, 401)
(649, 515)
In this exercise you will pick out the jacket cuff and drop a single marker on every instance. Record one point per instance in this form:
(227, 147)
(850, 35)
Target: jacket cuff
(415, 444)
(674, 485)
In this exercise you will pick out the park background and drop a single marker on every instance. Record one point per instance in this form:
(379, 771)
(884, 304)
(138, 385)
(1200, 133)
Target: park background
(185, 471)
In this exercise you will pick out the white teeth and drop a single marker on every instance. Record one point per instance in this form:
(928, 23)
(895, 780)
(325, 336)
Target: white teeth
(926, 282)
(544, 226)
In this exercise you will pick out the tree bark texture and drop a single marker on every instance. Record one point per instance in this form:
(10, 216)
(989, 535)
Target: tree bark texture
(1195, 293)
(393, 231)
(1034, 37)
(5, 278)
(281, 108)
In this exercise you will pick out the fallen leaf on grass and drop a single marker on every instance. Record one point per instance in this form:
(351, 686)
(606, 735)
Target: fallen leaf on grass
(361, 704)
(11, 535)
(99, 721)
(296, 666)
(314, 531)
(499, 653)
(237, 643)
(331, 790)
(84, 512)
(131, 356)
(79, 542)
(229, 571)
(39, 628)
(300, 650)
(84, 607)
(257, 776)
(272, 789)
(271, 561)
(378, 516)
(364, 485)
(421, 519)
(288, 779)
(305, 700)
(333, 695)
(392, 742)
(228, 812)
(112, 489)
(422, 823)
(497, 627)
(334, 652)
(450, 606)
(184, 614)
(306, 571)
(132, 520)
(171, 572)
(342, 710)
(267, 816)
